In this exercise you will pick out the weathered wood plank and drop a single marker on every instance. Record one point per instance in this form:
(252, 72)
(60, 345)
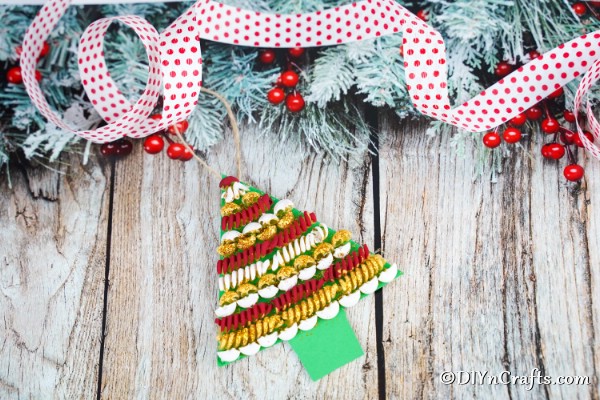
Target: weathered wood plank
(160, 330)
(498, 276)
(53, 252)
(564, 275)
(592, 232)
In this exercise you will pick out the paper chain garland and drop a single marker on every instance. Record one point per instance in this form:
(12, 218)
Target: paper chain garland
(175, 64)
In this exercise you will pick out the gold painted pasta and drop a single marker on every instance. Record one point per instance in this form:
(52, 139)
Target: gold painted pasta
(249, 334)
(341, 237)
(229, 297)
(267, 280)
(322, 250)
(246, 241)
(226, 249)
(303, 261)
(355, 278)
(286, 272)
(267, 232)
(250, 198)
(286, 220)
(298, 312)
(245, 289)
(229, 209)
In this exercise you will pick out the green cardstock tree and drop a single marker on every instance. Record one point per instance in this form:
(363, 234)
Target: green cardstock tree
(284, 276)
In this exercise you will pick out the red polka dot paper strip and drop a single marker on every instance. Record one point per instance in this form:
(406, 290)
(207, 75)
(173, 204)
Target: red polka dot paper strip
(175, 63)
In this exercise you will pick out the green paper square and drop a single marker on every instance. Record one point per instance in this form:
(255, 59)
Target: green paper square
(328, 346)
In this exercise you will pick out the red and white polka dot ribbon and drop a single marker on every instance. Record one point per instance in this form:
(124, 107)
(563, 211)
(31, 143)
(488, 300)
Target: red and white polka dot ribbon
(175, 63)
(591, 77)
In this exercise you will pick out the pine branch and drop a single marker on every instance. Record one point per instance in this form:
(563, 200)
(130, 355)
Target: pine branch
(478, 33)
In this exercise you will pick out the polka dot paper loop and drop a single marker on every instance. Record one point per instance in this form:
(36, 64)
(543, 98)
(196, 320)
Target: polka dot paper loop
(175, 63)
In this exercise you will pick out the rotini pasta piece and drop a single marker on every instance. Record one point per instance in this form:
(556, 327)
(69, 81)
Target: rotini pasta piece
(249, 334)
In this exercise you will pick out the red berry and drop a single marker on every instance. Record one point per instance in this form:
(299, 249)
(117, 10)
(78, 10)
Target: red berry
(503, 68)
(267, 56)
(187, 154)
(569, 116)
(180, 127)
(401, 51)
(108, 149)
(568, 137)
(294, 102)
(175, 151)
(289, 79)
(589, 136)
(577, 138)
(556, 151)
(45, 49)
(579, 9)
(534, 113)
(518, 119)
(296, 52)
(18, 51)
(276, 95)
(38, 76)
(511, 135)
(423, 14)
(123, 147)
(154, 144)
(533, 54)
(550, 126)
(553, 151)
(557, 93)
(573, 172)
(156, 117)
(14, 76)
(491, 140)
(545, 151)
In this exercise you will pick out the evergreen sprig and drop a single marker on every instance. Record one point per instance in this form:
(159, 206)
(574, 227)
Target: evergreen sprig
(478, 33)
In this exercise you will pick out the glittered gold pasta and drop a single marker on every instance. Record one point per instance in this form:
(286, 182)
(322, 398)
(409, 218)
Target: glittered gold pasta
(286, 220)
(249, 334)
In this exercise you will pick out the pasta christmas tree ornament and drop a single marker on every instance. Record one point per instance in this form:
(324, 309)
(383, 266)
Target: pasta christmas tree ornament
(285, 276)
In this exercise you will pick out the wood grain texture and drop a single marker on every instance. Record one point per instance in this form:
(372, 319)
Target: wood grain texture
(498, 276)
(163, 283)
(52, 247)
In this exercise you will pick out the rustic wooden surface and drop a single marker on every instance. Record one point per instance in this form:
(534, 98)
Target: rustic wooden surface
(53, 232)
(497, 276)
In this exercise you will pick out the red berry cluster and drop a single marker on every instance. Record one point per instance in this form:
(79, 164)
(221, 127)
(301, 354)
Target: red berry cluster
(118, 148)
(154, 144)
(14, 75)
(562, 137)
(285, 89)
(581, 8)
